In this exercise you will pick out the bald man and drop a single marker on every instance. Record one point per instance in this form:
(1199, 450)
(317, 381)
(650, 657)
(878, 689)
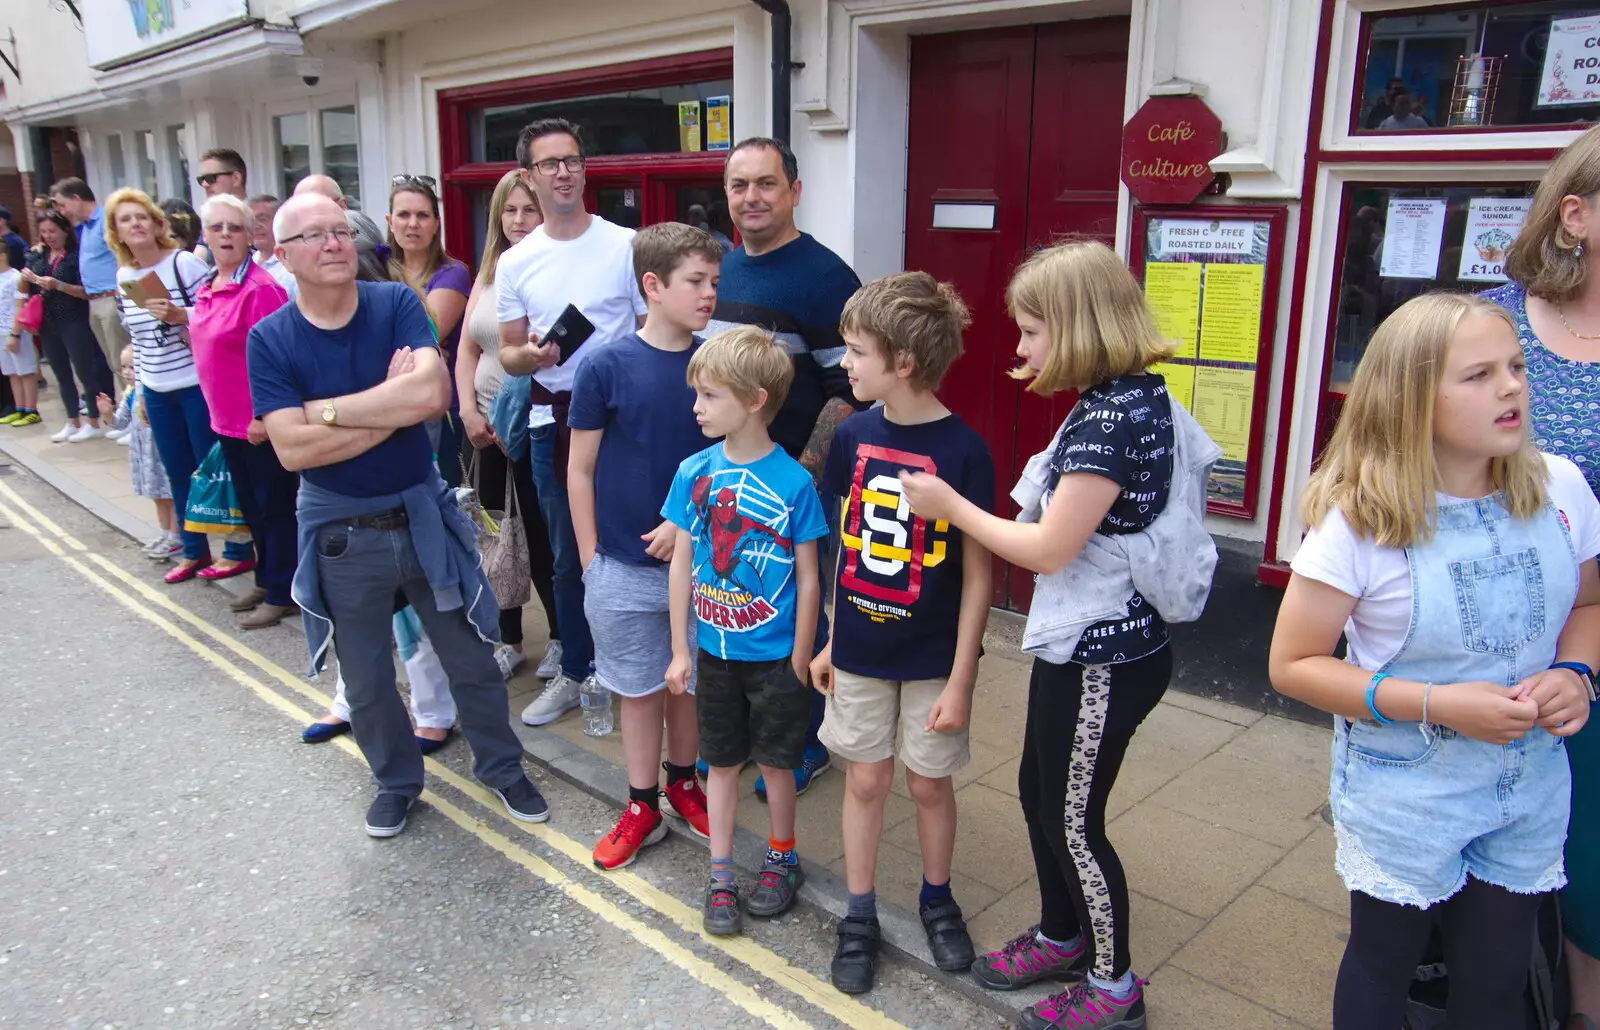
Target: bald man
(322, 186)
(344, 379)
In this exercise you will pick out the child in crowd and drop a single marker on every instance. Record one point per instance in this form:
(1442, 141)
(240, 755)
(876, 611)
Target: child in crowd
(909, 609)
(1126, 461)
(745, 557)
(1458, 562)
(144, 464)
(633, 422)
(19, 360)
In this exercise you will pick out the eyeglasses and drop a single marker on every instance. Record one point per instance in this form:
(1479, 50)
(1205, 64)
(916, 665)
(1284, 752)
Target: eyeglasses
(220, 227)
(316, 237)
(210, 178)
(427, 182)
(550, 165)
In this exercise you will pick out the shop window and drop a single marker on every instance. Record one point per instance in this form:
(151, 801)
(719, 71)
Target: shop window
(341, 149)
(656, 120)
(179, 159)
(119, 164)
(1487, 66)
(144, 148)
(292, 136)
(1402, 241)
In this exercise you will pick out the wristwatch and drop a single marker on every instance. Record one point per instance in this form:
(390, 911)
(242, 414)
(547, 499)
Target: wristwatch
(1584, 671)
(329, 416)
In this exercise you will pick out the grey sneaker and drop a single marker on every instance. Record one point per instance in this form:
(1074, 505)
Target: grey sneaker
(550, 664)
(775, 889)
(721, 916)
(558, 698)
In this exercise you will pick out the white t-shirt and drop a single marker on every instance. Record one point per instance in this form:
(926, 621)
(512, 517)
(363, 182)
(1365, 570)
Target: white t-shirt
(539, 277)
(1381, 577)
(10, 278)
(162, 359)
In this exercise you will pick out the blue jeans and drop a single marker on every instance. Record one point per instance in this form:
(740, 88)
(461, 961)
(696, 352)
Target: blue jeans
(577, 646)
(180, 422)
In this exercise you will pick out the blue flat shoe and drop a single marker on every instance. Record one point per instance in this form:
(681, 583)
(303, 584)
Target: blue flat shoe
(321, 732)
(428, 747)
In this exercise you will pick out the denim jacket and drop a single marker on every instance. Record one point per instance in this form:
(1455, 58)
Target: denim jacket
(1170, 562)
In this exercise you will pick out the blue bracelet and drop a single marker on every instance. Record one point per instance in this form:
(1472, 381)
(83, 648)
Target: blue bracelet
(1372, 692)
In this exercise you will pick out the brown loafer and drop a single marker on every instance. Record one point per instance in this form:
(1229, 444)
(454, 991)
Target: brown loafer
(267, 615)
(249, 600)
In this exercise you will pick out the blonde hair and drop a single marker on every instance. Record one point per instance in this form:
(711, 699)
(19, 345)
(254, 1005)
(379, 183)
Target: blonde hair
(160, 229)
(1378, 470)
(1543, 258)
(1094, 311)
(495, 240)
(914, 316)
(746, 360)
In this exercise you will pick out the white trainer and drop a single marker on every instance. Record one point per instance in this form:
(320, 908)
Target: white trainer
(116, 434)
(86, 433)
(63, 434)
(556, 700)
(508, 658)
(550, 664)
(125, 440)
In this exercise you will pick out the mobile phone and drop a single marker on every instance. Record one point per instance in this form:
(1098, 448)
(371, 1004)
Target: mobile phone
(569, 333)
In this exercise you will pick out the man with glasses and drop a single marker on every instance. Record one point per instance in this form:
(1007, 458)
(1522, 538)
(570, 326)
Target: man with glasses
(344, 378)
(580, 259)
(97, 268)
(263, 208)
(222, 171)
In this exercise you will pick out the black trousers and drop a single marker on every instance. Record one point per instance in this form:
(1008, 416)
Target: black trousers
(493, 466)
(71, 349)
(266, 492)
(1080, 721)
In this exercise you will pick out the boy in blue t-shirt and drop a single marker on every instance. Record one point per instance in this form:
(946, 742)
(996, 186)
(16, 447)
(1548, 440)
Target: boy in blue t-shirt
(633, 422)
(745, 559)
(909, 607)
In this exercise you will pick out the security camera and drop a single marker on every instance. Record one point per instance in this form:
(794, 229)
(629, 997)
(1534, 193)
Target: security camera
(309, 69)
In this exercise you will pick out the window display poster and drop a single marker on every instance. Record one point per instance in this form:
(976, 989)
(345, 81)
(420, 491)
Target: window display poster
(1571, 73)
(719, 123)
(689, 125)
(1492, 224)
(1413, 235)
(1172, 289)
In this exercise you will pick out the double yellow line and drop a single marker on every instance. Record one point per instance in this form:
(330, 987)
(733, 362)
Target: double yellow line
(161, 612)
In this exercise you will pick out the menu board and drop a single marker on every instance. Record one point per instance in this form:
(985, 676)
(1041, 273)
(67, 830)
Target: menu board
(1209, 280)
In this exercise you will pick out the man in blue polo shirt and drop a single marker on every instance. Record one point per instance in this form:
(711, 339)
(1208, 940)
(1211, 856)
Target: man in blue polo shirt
(97, 266)
(344, 379)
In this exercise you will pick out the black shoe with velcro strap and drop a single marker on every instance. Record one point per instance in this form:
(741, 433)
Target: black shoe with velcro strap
(856, 958)
(947, 936)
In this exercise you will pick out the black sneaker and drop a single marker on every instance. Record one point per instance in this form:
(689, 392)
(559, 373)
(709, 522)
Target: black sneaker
(386, 817)
(721, 915)
(523, 801)
(947, 936)
(856, 957)
(775, 889)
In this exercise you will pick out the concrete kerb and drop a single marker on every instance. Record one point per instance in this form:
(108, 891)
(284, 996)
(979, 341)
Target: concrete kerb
(902, 930)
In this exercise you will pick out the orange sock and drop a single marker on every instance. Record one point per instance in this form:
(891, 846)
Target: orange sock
(781, 850)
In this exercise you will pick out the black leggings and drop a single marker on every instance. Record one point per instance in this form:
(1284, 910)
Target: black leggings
(492, 465)
(70, 347)
(1488, 934)
(1080, 720)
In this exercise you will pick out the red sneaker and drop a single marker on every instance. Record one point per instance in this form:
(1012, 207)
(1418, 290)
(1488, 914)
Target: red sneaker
(688, 802)
(638, 828)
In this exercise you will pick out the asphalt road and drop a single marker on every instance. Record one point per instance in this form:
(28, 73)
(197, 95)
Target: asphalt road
(172, 856)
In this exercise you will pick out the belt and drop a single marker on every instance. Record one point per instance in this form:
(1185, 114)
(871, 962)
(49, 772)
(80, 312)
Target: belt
(102, 293)
(394, 518)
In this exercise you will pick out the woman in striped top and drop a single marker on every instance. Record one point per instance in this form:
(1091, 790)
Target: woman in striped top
(168, 386)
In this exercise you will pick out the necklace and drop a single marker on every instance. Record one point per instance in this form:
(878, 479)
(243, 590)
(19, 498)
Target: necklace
(1562, 314)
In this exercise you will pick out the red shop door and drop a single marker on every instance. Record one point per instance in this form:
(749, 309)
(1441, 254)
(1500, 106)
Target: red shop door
(1014, 141)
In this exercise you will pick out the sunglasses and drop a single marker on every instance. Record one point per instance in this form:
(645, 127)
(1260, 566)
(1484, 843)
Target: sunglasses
(220, 227)
(210, 177)
(427, 182)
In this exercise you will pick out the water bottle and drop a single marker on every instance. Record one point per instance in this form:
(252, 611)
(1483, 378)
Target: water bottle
(596, 701)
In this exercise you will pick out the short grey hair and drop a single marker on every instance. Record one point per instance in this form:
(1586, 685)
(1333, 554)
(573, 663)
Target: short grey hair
(289, 213)
(233, 204)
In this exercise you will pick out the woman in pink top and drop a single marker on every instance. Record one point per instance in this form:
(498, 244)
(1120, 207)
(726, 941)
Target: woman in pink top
(226, 308)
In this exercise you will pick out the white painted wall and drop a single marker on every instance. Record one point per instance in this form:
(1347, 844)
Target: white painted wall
(50, 54)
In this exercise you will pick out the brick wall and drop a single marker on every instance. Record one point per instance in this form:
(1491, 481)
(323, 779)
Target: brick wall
(15, 195)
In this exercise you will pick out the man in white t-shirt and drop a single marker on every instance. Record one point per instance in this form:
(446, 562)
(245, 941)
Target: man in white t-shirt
(580, 259)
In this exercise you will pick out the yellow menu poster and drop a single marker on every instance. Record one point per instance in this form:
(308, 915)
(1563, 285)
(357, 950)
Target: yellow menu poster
(1223, 399)
(1232, 312)
(1180, 382)
(688, 125)
(1172, 289)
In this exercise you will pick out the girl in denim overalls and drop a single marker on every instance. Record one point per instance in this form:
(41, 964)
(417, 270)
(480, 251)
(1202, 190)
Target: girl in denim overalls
(1459, 563)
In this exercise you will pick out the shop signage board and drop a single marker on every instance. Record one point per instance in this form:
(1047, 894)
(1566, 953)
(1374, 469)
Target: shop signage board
(116, 32)
(1167, 147)
(1211, 278)
(688, 125)
(1413, 236)
(1492, 224)
(1571, 73)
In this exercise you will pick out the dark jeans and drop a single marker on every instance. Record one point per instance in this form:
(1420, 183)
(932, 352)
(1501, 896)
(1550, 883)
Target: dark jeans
(577, 646)
(181, 425)
(451, 449)
(492, 468)
(361, 571)
(1080, 721)
(70, 348)
(266, 492)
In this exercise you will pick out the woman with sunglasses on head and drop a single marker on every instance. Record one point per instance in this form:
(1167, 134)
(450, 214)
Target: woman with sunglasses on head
(513, 214)
(240, 294)
(419, 259)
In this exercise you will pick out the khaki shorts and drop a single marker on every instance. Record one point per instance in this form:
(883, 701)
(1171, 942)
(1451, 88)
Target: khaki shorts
(865, 715)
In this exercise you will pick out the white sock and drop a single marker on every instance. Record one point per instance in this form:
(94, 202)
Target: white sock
(1072, 944)
(1121, 988)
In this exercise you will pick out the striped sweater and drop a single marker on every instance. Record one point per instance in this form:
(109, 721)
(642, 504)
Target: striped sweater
(162, 360)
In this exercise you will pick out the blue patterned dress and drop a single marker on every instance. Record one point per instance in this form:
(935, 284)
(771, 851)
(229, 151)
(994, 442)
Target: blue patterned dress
(1563, 409)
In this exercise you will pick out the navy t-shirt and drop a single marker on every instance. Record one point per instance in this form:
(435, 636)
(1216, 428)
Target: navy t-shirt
(898, 600)
(640, 396)
(1121, 430)
(292, 362)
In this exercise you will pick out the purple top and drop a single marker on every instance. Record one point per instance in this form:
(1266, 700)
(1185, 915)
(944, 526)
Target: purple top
(452, 275)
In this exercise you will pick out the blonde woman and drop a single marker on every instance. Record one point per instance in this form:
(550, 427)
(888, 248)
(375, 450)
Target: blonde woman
(1554, 301)
(1122, 457)
(513, 214)
(1458, 562)
(168, 384)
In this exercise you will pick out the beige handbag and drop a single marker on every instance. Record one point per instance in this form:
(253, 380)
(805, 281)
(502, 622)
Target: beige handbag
(504, 546)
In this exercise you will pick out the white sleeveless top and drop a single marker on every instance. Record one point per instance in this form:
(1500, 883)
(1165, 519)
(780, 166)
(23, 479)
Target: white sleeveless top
(484, 328)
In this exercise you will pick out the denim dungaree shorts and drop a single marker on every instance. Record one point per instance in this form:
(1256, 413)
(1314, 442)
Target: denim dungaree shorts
(1417, 808)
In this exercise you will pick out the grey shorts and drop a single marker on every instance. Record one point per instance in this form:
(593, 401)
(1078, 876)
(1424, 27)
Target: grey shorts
(24, 362)
(627, 609)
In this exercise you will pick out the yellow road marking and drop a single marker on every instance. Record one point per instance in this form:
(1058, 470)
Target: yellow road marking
(773, 967)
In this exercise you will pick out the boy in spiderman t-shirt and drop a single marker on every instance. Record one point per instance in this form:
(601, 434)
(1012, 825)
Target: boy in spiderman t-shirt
(745, 565)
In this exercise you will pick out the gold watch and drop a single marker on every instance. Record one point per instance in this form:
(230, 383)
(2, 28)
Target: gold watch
(329, 416)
